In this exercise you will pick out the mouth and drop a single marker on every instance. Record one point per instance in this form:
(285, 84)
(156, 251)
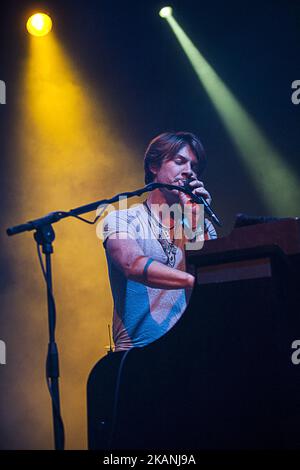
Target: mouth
(179, 182)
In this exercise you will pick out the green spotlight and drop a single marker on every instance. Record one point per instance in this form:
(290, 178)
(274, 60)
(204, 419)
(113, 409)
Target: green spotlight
(272, 175)
(165, 12)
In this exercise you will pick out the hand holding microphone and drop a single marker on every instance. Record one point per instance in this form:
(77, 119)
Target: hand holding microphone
(198, 195)
(197, 188)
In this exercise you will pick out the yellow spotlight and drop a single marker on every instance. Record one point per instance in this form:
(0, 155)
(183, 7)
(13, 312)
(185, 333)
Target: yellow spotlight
(165, 12)
(39, 24)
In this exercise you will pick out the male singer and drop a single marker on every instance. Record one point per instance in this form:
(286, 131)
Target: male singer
(145, 255)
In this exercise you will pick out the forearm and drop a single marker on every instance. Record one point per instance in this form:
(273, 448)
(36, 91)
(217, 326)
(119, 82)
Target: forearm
(159, 275)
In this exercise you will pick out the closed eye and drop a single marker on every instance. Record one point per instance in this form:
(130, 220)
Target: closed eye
(183, 161)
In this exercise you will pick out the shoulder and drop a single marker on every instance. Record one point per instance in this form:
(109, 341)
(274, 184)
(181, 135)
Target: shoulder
(123, 221)
(125, 215)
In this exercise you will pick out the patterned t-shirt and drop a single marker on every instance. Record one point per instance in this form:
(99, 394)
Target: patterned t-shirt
(141, 313)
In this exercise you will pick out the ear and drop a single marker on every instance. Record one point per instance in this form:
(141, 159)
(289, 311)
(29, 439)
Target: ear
(154, 169)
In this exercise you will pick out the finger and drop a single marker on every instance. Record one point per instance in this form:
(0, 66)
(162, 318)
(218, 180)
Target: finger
(202, 192)
(196, 184)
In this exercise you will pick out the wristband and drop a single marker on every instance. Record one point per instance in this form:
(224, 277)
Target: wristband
(150, 260)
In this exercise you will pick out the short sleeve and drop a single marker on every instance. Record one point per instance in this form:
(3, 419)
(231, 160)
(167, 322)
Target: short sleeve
(119, 225)
(210, 230)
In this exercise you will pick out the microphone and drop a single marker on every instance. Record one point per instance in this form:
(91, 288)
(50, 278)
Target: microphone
(198, 199)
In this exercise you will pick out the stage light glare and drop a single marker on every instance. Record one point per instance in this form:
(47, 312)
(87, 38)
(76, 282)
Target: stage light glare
(165, 12)
(273, 176)
(39, 24)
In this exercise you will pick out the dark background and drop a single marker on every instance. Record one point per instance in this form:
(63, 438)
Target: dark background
(129, 55)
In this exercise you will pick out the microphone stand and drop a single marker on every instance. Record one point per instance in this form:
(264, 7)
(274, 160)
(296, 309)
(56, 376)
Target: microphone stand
(44, 235)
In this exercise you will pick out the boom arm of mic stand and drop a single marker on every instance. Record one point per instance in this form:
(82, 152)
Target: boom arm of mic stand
(54, 217)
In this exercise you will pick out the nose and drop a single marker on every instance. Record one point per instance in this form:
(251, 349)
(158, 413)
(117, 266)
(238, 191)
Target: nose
(187, 171)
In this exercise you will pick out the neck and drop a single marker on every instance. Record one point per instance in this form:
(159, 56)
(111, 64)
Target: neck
(158, 197)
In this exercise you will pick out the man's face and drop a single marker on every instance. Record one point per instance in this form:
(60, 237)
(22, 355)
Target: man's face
(183, 165)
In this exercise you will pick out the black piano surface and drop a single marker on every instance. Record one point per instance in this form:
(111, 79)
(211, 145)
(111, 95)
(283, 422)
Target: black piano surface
(223, 376)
